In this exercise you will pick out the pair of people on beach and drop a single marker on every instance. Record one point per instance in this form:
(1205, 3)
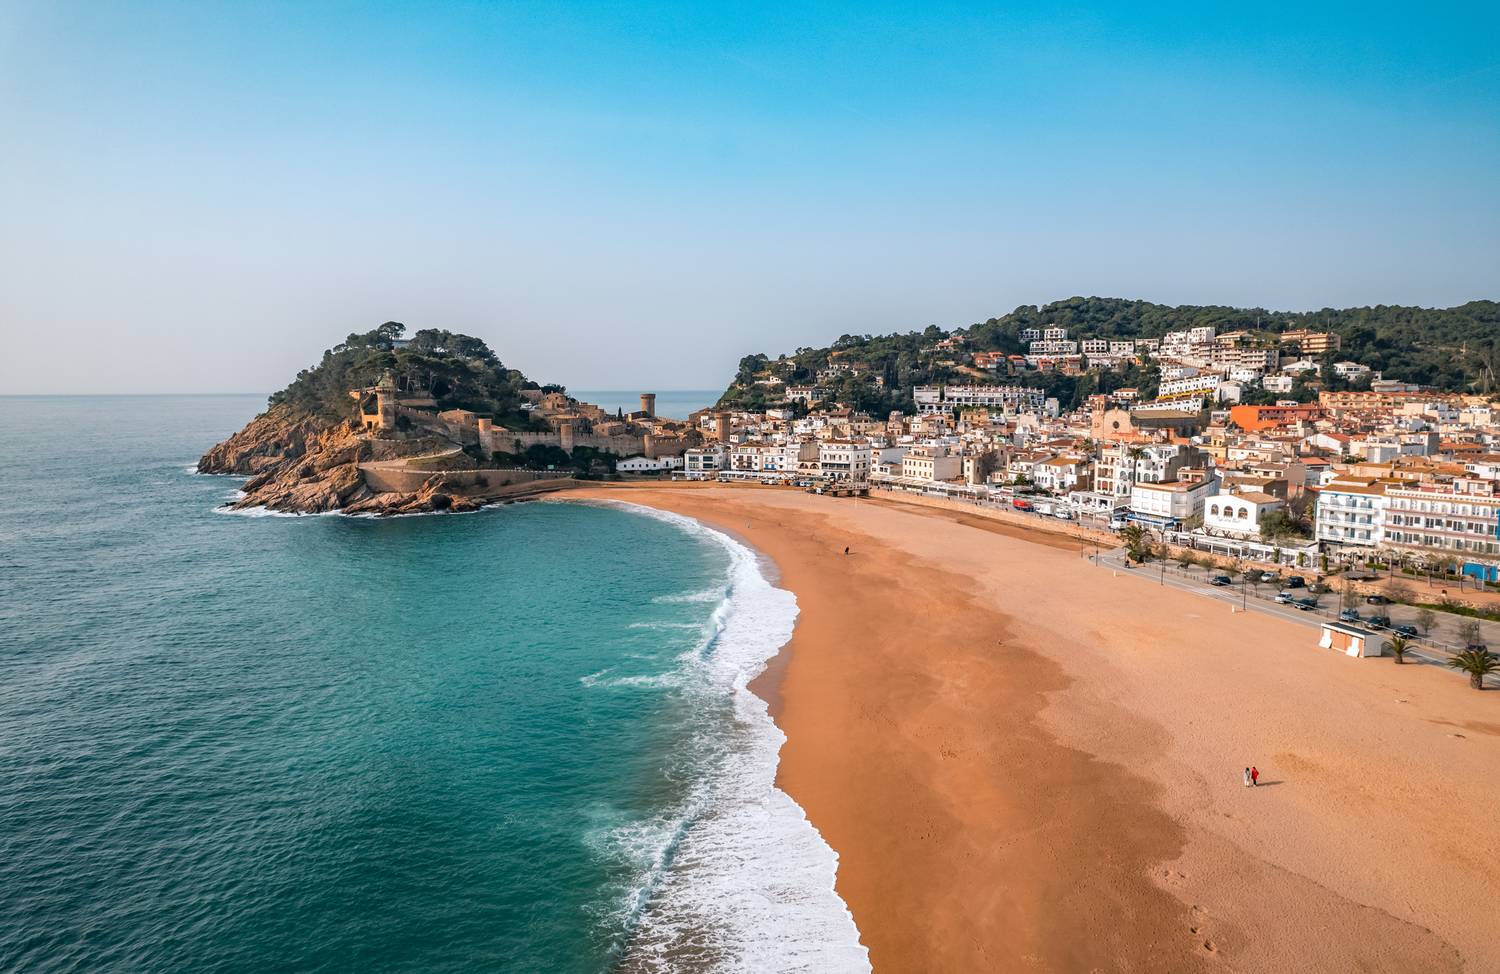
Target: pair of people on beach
(1252, 777)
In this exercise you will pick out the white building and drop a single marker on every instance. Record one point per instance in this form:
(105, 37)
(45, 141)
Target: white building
(1191, 387)
(1351, 511)
(1011, 399)
(1238, 515)
(703, 462)
(648, 464)
(844, 460)
(771, 458)
(1062, 474)
(1170, 503)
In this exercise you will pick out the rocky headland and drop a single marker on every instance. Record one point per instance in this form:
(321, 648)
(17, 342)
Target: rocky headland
(358, 435)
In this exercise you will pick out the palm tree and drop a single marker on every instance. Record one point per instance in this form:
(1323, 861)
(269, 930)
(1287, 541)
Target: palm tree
(1134, 538)
(1477, 663)
(1398, 646)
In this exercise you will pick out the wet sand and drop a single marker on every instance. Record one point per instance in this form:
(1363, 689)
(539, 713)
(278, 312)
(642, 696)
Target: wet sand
(1027, 763)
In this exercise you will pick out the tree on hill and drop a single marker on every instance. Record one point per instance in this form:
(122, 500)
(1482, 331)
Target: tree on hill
(459, 371)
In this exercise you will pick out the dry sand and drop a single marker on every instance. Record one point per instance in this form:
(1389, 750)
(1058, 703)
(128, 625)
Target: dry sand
(1027, 763)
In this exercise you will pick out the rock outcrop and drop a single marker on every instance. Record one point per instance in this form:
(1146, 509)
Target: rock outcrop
(299, 464)
(278, 434)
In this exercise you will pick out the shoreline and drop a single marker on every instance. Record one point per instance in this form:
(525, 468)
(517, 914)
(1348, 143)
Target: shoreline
(755, 848)
(1057, 792)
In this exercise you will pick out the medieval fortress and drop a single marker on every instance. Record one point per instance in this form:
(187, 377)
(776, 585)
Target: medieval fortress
(454, 435)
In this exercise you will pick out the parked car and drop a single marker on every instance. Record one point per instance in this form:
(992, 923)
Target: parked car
(1378, 600)
(1295, 581)
(1348, 615)
(1021, 505)
(1063, 514)
(1268, 576)
(1285, 598)
(1410, 632)
(1477, 648)
(1306, 605)
(1220, 580)
(1117, 523)
(1380, 621)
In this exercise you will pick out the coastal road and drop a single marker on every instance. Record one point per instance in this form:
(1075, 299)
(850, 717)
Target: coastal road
(1434, 651)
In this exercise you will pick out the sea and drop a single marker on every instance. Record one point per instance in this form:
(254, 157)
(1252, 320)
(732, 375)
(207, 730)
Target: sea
(514, 740)
(670, 403)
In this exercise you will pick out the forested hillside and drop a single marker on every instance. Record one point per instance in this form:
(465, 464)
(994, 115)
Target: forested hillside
(460, 371)
(1452, 349)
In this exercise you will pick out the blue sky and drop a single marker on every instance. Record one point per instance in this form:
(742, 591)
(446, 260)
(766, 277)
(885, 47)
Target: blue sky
(202, 196)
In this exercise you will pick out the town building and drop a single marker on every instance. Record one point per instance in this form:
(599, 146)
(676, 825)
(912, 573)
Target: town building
(931, 463)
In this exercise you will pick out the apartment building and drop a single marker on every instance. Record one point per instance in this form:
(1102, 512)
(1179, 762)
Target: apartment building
(703, 462)
(1460, 520)
(1121, 465)
(1190, 387)
(1351, 511)
(1010, 398)
(844, 460)
(1311, 342)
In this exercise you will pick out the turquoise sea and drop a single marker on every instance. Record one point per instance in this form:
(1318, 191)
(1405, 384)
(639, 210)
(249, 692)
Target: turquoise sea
(517, 740)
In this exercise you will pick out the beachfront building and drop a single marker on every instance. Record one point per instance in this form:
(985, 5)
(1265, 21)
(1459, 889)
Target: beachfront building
(640, 464)
(702, 463)
(1238, 515)
(931, 463)
(1121, 465)
(1458, 522)
(756, 458)
(844, 460)
(1351, 512)
(1172, 503)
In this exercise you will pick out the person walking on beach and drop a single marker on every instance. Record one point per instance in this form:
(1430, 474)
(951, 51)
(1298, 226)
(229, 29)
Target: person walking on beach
(1254, 776)
(1247, 777)
(846, 550)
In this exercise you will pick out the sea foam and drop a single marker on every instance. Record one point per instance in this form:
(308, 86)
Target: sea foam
(735, 878)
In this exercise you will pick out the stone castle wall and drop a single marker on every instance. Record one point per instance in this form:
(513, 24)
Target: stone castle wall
(384, 479)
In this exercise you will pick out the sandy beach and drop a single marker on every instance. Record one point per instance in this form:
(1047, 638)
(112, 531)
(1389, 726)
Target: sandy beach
(1028, 763)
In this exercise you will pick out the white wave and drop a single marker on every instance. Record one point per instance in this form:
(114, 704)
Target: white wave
(736, 877)
(665, 625)
(707, 595)
(603, 679)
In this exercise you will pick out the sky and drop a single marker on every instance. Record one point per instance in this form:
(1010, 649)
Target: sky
(201, 197)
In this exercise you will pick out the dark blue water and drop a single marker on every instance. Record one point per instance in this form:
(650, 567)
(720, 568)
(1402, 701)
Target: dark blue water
(462, 742)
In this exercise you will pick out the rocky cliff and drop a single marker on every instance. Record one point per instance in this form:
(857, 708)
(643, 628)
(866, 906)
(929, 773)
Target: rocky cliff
(299, 464)
(276, 435)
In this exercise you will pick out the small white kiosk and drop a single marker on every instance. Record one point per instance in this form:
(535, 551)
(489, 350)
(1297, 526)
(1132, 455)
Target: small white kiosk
(1350, 640)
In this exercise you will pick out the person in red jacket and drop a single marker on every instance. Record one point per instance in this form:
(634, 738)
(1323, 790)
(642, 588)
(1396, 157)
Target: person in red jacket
(1254, 776)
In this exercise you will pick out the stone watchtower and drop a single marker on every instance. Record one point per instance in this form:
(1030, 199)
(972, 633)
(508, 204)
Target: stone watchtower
(648, 404)
(385, 401)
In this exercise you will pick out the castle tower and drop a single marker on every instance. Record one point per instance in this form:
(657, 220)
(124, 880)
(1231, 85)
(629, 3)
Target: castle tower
(567, 435)
(721, 427)
(648, 404)
(385, 401)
